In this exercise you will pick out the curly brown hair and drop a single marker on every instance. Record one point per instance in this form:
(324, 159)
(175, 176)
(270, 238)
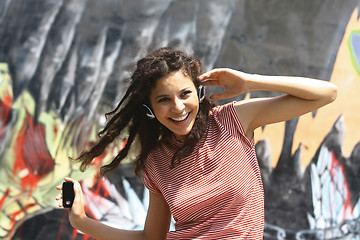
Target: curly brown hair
(130, 115)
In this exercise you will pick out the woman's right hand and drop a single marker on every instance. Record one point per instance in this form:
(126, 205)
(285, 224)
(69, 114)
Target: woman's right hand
(235, 82)
(77, 211)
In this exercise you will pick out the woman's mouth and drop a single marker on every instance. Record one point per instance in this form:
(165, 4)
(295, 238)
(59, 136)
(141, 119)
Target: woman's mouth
(180, 119)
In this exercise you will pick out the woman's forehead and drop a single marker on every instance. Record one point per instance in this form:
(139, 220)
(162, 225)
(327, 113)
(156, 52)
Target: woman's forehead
(175, 79)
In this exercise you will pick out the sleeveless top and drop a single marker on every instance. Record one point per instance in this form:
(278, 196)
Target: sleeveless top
(216, 192)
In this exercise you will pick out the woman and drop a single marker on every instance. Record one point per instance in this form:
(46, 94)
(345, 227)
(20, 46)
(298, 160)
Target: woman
(197, 160)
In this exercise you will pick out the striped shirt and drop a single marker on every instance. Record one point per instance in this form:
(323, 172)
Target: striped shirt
(216, 192)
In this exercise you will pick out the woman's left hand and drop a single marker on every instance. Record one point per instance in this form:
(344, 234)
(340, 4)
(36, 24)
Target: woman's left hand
(233, 81)
(77, 211)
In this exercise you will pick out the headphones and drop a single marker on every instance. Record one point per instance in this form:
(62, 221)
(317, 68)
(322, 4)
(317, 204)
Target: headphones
(201, 95)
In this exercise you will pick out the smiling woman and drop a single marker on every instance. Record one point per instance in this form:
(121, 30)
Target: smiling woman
(198, 160)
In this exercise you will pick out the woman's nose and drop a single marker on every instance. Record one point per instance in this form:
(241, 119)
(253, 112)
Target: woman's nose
(179, 105)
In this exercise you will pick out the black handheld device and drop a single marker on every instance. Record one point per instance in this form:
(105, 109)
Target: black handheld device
(68, 194)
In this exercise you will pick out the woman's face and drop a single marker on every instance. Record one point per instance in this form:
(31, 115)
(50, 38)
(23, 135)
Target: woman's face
(175, 103)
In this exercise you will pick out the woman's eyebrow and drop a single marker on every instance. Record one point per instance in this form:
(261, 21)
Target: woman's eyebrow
(161, 96)
(166, 95)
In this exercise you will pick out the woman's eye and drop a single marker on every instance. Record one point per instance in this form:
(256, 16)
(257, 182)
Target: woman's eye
(186, 93)
(163, 100)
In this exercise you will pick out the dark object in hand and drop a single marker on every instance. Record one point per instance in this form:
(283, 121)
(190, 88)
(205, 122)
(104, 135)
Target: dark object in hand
(68, 194)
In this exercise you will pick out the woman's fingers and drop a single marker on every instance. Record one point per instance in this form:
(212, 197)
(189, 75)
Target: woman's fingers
(234, 82)
(59, 199)
(69, 179)
(210, 81)
(211, 74)
(59, 196)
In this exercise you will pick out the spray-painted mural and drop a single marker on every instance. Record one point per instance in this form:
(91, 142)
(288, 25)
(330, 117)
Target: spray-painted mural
(66, 62)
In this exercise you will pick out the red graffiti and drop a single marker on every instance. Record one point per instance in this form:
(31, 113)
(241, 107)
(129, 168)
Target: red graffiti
(2, 200)
(334, 169)
(5, 108)
(32, 155)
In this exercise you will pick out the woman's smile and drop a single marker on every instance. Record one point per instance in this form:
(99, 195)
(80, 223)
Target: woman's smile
(181, 119)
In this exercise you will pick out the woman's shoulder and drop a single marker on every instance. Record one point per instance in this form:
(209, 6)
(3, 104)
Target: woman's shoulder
(227, 118)
(163, 150)
(223, 109)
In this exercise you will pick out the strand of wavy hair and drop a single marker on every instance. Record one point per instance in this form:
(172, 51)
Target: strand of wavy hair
(113, 128)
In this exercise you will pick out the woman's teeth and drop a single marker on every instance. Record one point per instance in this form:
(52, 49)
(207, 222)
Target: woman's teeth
(180, 118)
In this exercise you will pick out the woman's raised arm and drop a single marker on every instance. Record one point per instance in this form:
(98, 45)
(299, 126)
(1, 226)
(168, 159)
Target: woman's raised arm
(301, 95)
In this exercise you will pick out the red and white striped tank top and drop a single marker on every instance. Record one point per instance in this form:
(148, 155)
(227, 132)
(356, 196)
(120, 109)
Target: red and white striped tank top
(216, 192)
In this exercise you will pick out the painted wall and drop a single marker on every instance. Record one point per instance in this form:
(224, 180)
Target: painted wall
(64, 63)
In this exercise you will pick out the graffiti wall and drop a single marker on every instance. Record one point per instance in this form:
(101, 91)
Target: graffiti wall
(64, 63)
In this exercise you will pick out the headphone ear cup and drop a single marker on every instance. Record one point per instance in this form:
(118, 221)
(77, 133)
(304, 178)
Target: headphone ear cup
(201, 93)
(149, 112)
